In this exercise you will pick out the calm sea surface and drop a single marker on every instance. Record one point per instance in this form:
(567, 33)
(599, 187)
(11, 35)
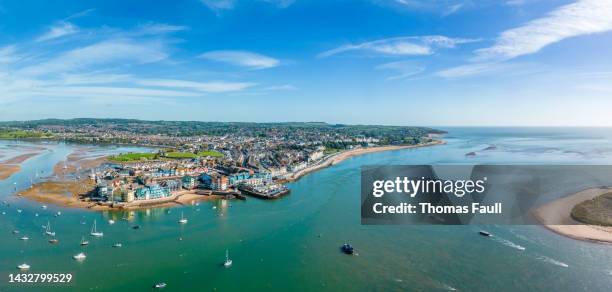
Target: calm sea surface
(293, 243)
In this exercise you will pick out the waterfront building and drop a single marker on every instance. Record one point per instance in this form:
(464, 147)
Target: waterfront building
(151, 191)
(189, 182)
(235, 179)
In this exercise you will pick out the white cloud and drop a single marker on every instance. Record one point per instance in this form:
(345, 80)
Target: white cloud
(242, 58)
(59, 30)
(401, 46)
(281, 87)
(403, 69)
(214, 86)
(580, 18)
(219, 4)
(497, 68)
(102, 53)
(280, 3)
(452, 9)
(160, 28)
(7, 54)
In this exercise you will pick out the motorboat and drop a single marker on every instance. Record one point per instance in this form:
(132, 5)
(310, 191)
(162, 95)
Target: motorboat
(347, 248)
(484, 233)
(24, 267)
(79, 257)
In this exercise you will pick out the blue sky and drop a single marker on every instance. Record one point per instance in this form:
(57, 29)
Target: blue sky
(401, 62)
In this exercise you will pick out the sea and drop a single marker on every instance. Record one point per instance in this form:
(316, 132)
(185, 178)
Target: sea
(293, 243)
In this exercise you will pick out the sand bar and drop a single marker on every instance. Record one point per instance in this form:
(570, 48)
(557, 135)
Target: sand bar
(559, 212)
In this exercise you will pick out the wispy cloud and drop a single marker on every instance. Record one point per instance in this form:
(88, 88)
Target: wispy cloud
(80, 14)
(452, 9)
(402, 69)
(401, 46)
(160, 28)
(107, 52)
(580, 18)
(217, 5)
(58, 30)
(7, 54)
(214, 86)
(241, 58)
(497, 68)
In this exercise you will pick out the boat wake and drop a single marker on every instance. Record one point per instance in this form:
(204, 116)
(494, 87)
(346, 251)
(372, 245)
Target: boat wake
(552, 261)
(509, 243)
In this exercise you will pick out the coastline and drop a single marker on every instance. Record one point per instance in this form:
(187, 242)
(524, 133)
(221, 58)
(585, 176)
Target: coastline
(559, 211)
(13, 165)
(68, 193)
(341, 156)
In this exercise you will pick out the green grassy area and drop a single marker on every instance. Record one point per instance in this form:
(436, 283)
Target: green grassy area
(329, 151)
(133, 157)
(597, 211)
(210, 153)
(180, 155)
(21, 134)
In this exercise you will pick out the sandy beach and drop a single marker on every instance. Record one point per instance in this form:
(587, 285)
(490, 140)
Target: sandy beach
(70, 194)
(559, 211)
(341, 156)
(12, 165)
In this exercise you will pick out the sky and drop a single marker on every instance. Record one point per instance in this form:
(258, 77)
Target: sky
(394, 62)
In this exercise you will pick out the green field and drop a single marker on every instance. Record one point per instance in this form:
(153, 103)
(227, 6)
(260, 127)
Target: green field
(21, 134)
(133, 157)
(180, 155)
(210, 153)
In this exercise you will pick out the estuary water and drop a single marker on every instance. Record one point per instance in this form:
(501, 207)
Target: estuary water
(293, 243)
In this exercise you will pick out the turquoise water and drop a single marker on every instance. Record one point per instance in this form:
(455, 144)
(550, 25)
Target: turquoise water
(293, 243)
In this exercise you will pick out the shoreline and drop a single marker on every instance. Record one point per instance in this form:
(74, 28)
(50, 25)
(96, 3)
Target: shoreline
(13, 165)
(559, 211)
(69, 194)
(341, 156)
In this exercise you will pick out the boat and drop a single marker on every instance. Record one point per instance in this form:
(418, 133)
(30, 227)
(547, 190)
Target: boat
(228, 261)
(117, 244)
(183, 220)
(84, 242)
(95, 232)
(44, 206)
(24, 267)
(15, 231)
(53, 241)
(19, 211)
(25, 238)
(79, 257)
(160, 285)
(484, 233)
(48, 229)
(347, 248)
(111, 221)
(136, 227)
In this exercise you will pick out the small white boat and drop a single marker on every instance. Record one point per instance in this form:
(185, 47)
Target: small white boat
(183, 220)
(25, 238)
(3, 213)
(95, 232)
(48, 229)
(24, 267)
(19, 211)
(44, 206)
(214, 207)
(160, 285)
(58, 213)
(84, 242)
(79, 257)
(15, 231)
(228, 261)
(117, 244)
(111, 221)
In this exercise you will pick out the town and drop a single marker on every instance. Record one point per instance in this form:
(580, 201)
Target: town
(229, 159)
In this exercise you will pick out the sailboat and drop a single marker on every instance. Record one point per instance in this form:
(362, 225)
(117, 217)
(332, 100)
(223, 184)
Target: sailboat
(183, 219)
(48, 229)
(24, 267)
(228, 261)
(84, 242)
(95, 232)
(79, 257)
